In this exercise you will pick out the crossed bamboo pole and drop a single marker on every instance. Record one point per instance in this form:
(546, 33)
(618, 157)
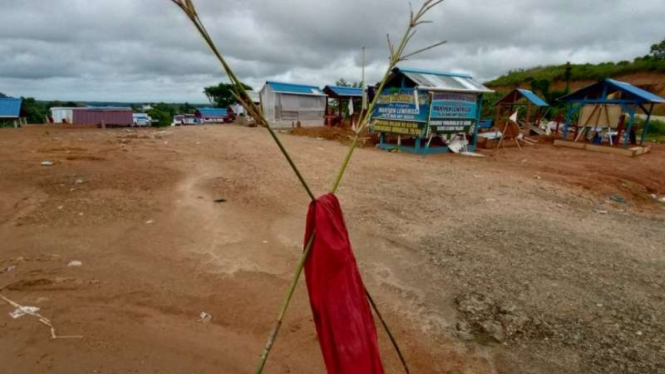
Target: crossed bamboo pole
(396, 55)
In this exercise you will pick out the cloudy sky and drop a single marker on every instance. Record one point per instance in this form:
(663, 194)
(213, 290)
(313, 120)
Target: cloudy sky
(146, 50)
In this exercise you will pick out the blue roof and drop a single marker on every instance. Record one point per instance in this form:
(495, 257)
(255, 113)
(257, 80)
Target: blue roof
(431, 72)
(629, 92)
(294, 88)
(642, 94)
(532, 97)
(213, 112)
(345, 91)
(10, 107)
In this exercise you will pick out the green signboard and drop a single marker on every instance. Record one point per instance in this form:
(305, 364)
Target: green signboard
(399, 127)
(452, 112)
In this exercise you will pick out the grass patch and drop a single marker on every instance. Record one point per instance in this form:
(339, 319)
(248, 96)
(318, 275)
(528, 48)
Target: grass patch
(656, 132)
(579, 72)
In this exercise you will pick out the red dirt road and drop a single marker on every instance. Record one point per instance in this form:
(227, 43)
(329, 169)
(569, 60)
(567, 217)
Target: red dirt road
(137, 208)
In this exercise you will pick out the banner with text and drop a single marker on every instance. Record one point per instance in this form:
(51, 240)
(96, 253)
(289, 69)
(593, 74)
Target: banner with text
(402, 105)
(452, 112)
(399, 127)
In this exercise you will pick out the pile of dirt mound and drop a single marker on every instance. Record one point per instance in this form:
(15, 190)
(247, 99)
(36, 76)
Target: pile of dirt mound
(340, 134)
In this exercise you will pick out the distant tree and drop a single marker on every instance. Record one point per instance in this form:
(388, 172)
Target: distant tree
(33, 111)
(567, 75)
(221, 95)
(343, 83)
(187, 108)
(162, 113)
(163, 118)
(542, 86)
(658, 50)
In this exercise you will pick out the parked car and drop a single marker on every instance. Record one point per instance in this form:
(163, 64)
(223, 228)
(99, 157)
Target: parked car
(142, 120)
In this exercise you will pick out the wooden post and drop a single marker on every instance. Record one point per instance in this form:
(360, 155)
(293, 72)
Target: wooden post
(527, 124)
(620, 128)
(630, 128)
(646, 126)
(325, 115)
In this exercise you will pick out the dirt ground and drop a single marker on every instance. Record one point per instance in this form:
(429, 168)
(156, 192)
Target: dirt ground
(514, 263)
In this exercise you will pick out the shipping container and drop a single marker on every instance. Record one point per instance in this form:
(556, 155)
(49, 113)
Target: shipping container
(108, 117)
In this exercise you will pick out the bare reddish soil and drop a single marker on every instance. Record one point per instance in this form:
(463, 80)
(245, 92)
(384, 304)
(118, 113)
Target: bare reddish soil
(513, 263)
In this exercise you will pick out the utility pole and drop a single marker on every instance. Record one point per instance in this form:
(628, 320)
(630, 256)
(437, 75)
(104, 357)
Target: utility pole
(362, 83)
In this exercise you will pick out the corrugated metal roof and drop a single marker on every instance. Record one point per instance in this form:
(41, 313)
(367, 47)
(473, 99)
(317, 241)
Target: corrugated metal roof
(10, 107)
(440, 81)
(113, 108)
(596, 90)
(431, 72)
(212, 112)
(345, 91)
(294, 88)
(532, 97)
(642, 94)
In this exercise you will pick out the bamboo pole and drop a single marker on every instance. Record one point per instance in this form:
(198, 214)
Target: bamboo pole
(396, 56)
(390, 334)
(188, 7)
(285, 305)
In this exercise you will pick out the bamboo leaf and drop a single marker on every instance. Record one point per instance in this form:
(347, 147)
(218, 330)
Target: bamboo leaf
(424, 49)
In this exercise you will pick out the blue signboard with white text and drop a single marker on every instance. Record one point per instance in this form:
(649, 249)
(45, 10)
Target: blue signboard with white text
(401, 105)
(452, 112)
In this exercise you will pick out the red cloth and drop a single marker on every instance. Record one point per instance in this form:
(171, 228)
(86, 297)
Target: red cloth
(342, 314)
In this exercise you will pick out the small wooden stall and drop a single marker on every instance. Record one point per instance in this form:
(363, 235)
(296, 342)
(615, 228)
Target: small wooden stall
(214, 115)
(286, 105)
(598, 110)
(343, 96)
(427, 112)
(530, 107)
(10, 110)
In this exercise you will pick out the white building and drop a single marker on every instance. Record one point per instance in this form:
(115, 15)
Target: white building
(62, 114)
(285, 104)
(239, 110)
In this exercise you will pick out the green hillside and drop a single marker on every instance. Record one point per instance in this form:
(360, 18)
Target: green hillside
(579, 72)
(653, 62)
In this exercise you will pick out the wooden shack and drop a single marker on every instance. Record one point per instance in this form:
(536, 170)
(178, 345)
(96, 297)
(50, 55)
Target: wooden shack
(423, 112)
(530, 107)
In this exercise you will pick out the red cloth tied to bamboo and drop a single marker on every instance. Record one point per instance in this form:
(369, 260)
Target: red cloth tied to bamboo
(342, 314)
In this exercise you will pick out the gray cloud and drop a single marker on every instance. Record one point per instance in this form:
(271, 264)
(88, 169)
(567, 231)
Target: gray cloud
(145, 50)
